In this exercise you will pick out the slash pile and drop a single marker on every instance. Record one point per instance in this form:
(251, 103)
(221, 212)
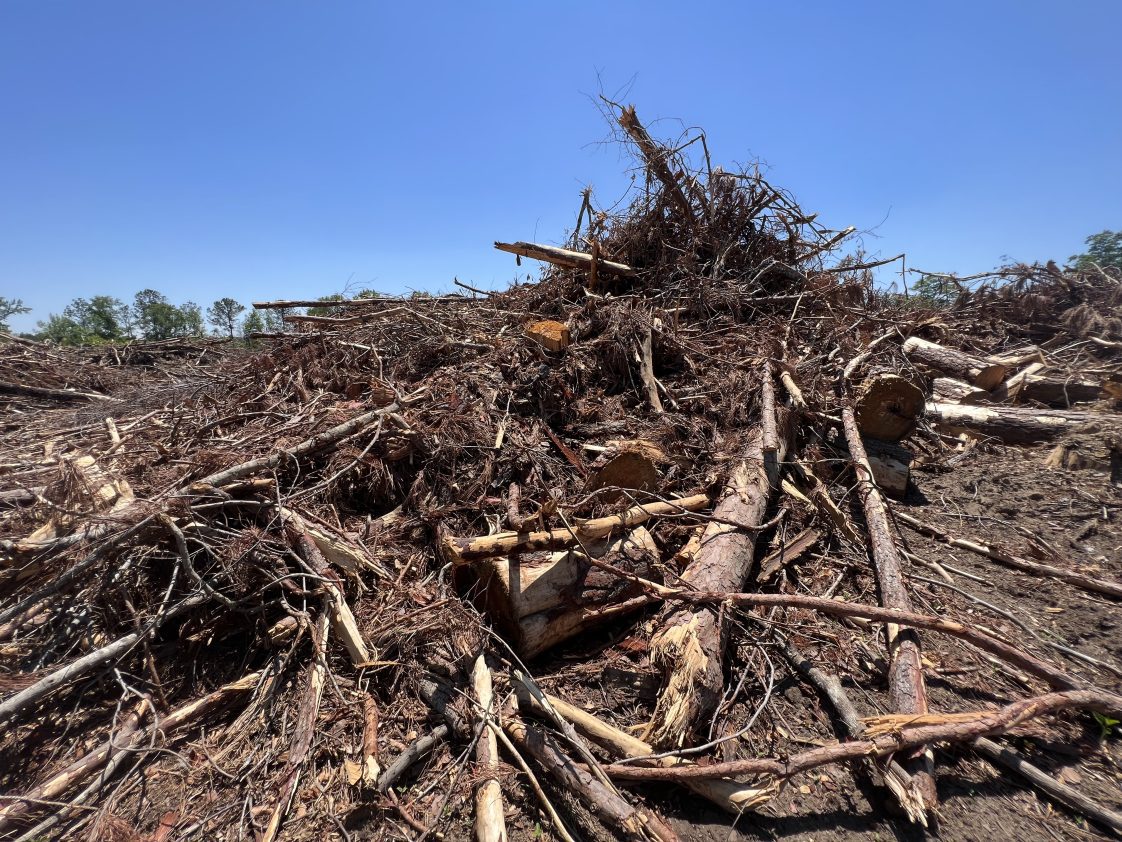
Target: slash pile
(547, 557)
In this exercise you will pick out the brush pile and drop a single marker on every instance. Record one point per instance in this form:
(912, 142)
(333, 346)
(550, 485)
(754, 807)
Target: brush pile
(548, 557)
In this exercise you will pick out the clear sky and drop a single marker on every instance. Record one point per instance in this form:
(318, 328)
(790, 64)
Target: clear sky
(280, 149)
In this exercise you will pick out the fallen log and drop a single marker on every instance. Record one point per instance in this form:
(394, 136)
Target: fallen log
(490, 825)
(982, 373)
(564, 257)
(1013, 425)
(1057, 391)
(690, 640)
(7, 388)
(728, 795)
(906, 689)
(896, 777)
(1055, 790)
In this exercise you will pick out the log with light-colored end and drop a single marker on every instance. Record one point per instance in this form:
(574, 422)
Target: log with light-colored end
(887, 406)
(984, 374)
(1010, 424)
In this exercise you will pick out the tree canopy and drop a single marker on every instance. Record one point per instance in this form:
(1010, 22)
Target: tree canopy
(1104, 249)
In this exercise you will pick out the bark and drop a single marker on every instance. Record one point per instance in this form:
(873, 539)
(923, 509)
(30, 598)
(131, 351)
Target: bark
(690, 640)
(982, 373)
(1012, 425)
(634, 824)
(906, 689)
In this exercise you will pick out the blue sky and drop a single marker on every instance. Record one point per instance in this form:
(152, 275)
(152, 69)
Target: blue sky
(279, 149)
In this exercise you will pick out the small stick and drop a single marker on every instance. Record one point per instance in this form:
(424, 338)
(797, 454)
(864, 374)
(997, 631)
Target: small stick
(792, 389)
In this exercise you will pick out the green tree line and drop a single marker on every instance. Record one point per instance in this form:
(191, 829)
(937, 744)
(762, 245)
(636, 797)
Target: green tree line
(152, 317)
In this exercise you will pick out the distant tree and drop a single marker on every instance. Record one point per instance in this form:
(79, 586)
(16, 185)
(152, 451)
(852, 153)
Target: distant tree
(253, 323)
(191, 316)
(102, 317)
(1104, 248)
(10, 307)
(156, 318)
(934, 291)
(327, 309)
(223, 314)
(63, 331)
(274, 319)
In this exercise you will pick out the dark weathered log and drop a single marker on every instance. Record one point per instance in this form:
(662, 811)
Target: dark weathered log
(982, 373)
(1015, 425)
(689, 643)
(1058, 391)
(887, 406)
(906, 689)
(634, 824)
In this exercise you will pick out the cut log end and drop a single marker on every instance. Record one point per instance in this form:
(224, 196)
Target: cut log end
(887, 406)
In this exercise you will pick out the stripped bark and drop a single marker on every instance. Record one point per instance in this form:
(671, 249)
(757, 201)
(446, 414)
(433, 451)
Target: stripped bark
(464, 550)
(490, 826)
(690, 640)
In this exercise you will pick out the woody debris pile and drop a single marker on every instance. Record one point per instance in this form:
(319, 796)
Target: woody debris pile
(682, 530)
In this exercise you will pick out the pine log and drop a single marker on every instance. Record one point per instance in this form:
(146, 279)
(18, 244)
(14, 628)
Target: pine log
(1013, 425)
(1011, 388)
(1057, 391)
(887, 406)
(949, 390)
(689, 642)
(51, 394)
(982, 373)
(564, 257)
(906, 689)
(631, 823)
